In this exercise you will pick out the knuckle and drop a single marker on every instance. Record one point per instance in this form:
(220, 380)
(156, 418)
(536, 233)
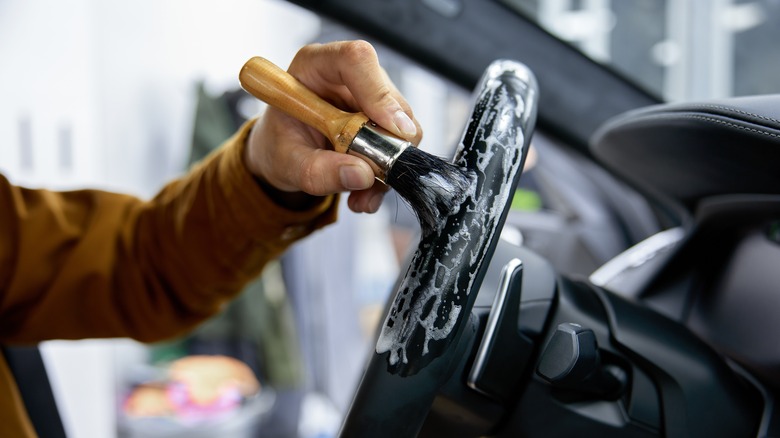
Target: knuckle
(310, 176)
(383, 94)
(358, 52)
(307, 50)
(303, 54)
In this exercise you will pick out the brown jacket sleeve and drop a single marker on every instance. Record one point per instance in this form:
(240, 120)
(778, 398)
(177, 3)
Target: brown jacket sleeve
(95, 264)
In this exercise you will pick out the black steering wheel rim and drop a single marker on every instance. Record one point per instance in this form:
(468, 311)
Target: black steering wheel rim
(429, 312)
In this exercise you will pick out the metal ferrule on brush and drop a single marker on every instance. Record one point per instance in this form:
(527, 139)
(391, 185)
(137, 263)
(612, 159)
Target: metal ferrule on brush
(378, 147)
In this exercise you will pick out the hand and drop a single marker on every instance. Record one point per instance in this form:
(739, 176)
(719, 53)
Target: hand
(293, 158)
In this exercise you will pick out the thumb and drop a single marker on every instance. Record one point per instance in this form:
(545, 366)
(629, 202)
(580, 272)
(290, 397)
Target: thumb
(323, 172)
(355, 176)
(388, 108)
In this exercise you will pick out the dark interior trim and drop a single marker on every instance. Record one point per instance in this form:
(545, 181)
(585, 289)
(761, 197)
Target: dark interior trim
(26, 365)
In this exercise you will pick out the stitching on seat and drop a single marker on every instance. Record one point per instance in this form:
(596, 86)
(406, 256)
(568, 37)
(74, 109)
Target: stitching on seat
(733, 125)
(725, 108)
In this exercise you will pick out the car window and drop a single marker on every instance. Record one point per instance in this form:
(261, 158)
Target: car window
(681, 50)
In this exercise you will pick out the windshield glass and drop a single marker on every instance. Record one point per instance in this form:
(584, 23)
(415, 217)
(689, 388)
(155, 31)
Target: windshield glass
(678, 49)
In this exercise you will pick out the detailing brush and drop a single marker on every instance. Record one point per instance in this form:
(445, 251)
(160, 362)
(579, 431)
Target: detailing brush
(432, 187)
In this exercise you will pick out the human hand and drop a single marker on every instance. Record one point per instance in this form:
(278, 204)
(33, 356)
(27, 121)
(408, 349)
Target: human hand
(292, 157)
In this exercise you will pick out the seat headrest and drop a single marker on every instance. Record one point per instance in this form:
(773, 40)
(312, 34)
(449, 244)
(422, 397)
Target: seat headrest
(691, 151)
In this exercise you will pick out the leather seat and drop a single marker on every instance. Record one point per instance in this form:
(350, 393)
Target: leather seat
(690, 151)
(721, 160)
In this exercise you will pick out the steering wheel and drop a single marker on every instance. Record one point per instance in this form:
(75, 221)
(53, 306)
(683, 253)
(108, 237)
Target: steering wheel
(418, 344)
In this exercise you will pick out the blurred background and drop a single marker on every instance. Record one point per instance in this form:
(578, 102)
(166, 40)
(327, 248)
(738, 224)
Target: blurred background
(124, 96)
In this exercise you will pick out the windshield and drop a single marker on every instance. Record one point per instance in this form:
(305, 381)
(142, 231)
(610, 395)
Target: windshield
(679, 49)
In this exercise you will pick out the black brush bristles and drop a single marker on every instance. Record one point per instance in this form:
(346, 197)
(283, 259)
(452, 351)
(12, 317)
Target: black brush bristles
(433, 187)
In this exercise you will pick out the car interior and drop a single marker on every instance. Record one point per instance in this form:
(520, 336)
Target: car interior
(634, 294)
(679, 198)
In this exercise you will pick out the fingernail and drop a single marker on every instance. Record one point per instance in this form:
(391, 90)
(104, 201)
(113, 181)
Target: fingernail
(355, 178)
(404, 124)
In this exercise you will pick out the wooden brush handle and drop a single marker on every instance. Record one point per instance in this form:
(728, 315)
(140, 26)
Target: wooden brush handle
(274, 86)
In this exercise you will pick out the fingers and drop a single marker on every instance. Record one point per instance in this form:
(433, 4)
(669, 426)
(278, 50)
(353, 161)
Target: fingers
(349, 72)
(296, 166)
(322, 172)
(367, 201)
(285, 153)
(293, 157)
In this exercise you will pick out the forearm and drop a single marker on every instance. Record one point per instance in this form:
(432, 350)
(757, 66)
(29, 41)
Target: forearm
(95, 264)
(218, 229)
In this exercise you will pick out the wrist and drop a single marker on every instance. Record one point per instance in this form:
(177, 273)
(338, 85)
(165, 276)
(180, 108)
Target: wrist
(295, 201)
